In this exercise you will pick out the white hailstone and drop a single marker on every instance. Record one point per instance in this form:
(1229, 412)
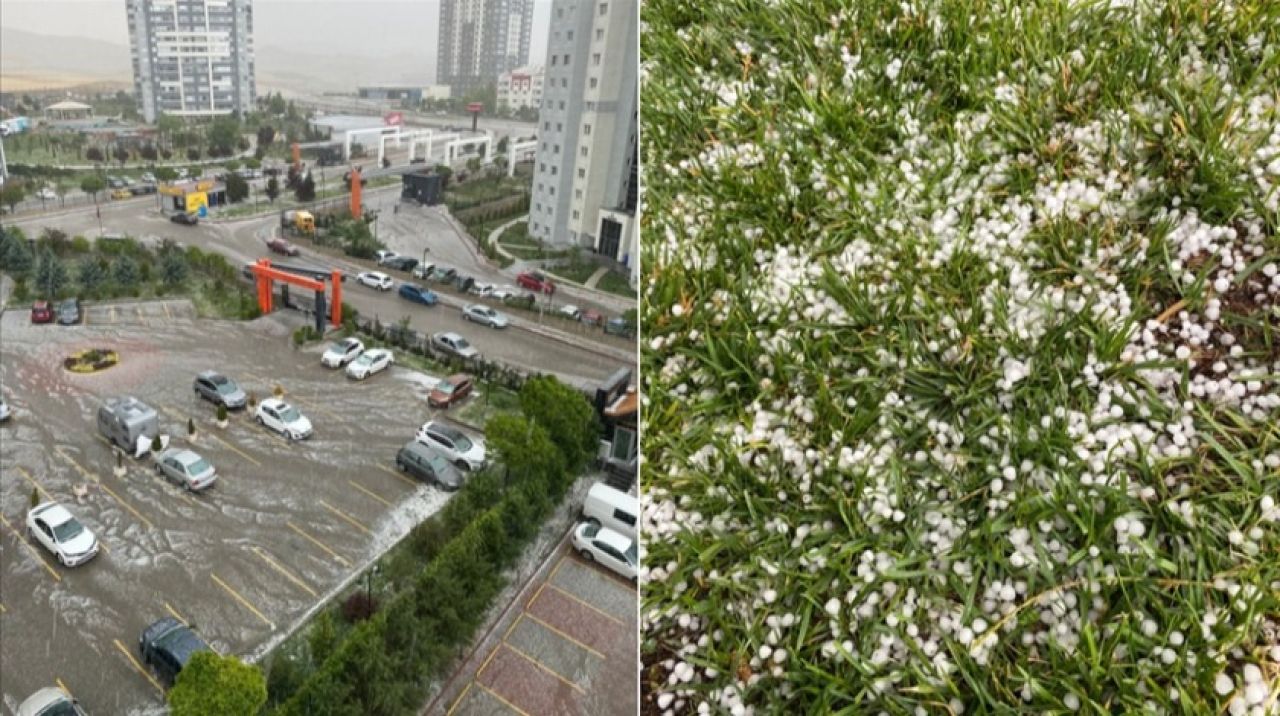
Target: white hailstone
(1183, 352)
(1149, 627)
(779, 656)
(1071, 701)
(770, 596)
(1223, 684)
(1122, 525)
(894, 69)
(1252, 674)
(832, 606)
(1176, 638)
(665, 699)
(1221, 285)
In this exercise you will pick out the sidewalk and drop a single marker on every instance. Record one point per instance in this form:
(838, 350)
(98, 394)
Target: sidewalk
(587, 290)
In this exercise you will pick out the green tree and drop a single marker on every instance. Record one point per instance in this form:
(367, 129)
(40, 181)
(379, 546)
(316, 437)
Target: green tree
(168, 126)
(15, 256)
(91, 185)
(121, 154)
(266, 135)
(94, 154)
(12, 193)
(527, 451)
(91, 275)
(51, 274)
(224, 133)
(166, 174)
(213, 685)
(61, 187)
(277, 105)
(237, 187)
(173, 268)
(567, 416)
(323, 637)
(125, 274)
(232, 166)
(306, 190)
(273, 189)
(253, 163)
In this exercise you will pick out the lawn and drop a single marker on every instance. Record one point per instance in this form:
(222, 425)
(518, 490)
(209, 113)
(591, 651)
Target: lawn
(962, 362)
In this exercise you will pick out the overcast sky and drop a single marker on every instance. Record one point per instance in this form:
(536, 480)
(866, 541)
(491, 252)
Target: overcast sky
(362, 27)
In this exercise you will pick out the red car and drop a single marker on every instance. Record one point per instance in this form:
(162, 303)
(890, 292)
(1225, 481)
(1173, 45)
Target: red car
(591, 318)
(450, 390)
(535, 281)
(280, 246)
(41, 313)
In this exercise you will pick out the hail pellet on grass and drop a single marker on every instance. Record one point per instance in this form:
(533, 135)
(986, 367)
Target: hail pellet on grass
(961, 357)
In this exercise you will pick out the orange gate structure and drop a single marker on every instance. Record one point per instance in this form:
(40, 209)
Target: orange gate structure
(266, 275)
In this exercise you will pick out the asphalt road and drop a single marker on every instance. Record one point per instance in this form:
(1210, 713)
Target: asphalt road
(577, 355)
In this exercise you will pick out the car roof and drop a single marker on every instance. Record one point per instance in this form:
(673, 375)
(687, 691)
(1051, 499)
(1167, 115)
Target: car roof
(186, 457)
(40, 304)
(181, 642)
(43, 699)
(211, 375)
(445, 429)
(613, 539)
(458, 377)
(53, 513)
(450, 335)
(274, 403)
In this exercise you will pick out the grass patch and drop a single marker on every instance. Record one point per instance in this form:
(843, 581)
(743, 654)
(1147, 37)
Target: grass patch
(615, 283)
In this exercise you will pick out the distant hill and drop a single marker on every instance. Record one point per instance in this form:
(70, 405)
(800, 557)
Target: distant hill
(33, 61)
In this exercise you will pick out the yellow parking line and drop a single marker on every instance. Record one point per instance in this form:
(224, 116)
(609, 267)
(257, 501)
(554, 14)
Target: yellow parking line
(2, 609)
(138, 666)
(39, 558)
(566, 636)
(536, 594)
(26, 475)
(176, 416)
(510, 629)
(94, 478)
(243, 601)
(176, 615)
(389, 471)
(545, 668)
(165, 305)
(318, 543)
(287, 574)
(462, 696)
(349, 519)
(62, 686)
(492, 653)
(312, 406)
(498, 696)
(592, 607)
(370, 493)
(559, 564)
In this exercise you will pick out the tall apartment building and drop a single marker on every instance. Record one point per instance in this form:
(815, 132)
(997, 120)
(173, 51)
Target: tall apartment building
(586, 173)
(521, 88)
(481, 39)
(192, 58)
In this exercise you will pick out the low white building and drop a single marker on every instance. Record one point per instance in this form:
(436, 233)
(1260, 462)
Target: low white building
(520, 88)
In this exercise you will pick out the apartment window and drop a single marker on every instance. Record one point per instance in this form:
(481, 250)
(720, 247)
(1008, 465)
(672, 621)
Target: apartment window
(586, 129)
(577, 194)
(582, 173)
(599, 34)
(562, 104)
(569, 35)
(546, 125)
(566, 59)
(539, 205)
(594, 82)
(564, 81)
(604, 8)
(559, 126)
(557, 149)
(575, 215)
(539, 187)
(560, 12)
(552, 189)
(584, 151)
(553, 60)
(542, 167)
(595, 59)
(553, 170)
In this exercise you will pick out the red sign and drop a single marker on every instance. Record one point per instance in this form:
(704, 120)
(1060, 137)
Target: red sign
(392, 119)
(476, 107)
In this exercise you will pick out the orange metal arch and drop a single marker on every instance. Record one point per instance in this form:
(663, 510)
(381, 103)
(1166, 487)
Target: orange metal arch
(266, 274)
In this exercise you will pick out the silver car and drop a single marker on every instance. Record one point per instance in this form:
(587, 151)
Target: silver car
(186, 469)
(219, 389)
(480, 313)
(50, 701)
(451, 342)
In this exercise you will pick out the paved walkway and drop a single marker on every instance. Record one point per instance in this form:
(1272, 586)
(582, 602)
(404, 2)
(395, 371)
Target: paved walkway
(595, 277)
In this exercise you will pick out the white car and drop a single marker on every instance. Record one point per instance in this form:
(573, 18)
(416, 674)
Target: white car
(371, 361)
(603, 545)
(47, 193)
(283, 418)
(460, 449)
(383, 256)
(502, 293)
(342, 353)
(480, 313)
(50, 701)
(451, 342)
(375, 279)
(54, 527)
(570, 311)
(148, 177)
(5, 412)
(481, 289)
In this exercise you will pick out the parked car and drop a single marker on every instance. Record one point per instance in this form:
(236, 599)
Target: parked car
(371, 361)
(167, 645)
(535, 281)
(612, 508)
(603, 545)
(50, 701)
(5, 412)
(342, 352)
(464, 283)
(219, 390)
(450, 390)
(426, 463)
(591, 318)
(185, 219)
(41, 313)
(47, 194)
(418, 294)
(570, 311)
(451, 342)
(149, 177)
(116, 182)
(186, 469)
(69, 312)
(423, 270)
(480, 288)
(375, 279)
(401, 263)
(58, 531)
(122, 193)
(142, 189)
(509, 293)
(384, 255)
(444, 274)
(281, 246)
(461, 450)
(619, 327)
(480, 313)
(277, 415)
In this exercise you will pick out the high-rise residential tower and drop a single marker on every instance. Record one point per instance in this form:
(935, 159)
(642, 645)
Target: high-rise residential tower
(586, 174)
(480, 40)
(192, 58)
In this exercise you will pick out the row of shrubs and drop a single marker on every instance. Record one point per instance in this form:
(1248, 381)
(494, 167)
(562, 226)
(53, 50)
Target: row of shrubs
(387, 663)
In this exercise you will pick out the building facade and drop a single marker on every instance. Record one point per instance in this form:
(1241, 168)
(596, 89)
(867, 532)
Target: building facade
(521, 88)
(192, 58)
(586, 174)
(480, 40)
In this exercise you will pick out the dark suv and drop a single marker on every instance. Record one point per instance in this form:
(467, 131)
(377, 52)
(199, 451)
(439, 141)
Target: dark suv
(167, 645)
(69, 312)
(401, 263)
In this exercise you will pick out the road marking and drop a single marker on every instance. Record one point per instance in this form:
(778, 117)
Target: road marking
(165, 305)
(176, 615)
(174, 414)
(90, 476)
(243, 601)
(559, 564)
(510, 629)
(138, 666)
(32, 480)
(39, 558)
(487, 659)
(287, 574)
(535, 596)
(319, 544)
(370, 493)
(592, 607)
(113, 315)
(544, 667)
(2, 608)
(460, 698)
(312, 406)
(498, 696)
(389, 471)
(350, 520)
(566, 636)
(62, 686)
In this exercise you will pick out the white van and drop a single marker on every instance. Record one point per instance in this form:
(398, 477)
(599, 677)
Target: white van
(612, 508)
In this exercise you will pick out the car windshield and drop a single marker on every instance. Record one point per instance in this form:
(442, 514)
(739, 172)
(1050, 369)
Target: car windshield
(225, 386)
(289, 414)
(338, 347)
(590, 530)
(461, 343)
(462, 442)
(198, 467)
(445, 387)
(632, 555)
(68, 530)
(61, 708)
(439, 465)
(365, 359)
